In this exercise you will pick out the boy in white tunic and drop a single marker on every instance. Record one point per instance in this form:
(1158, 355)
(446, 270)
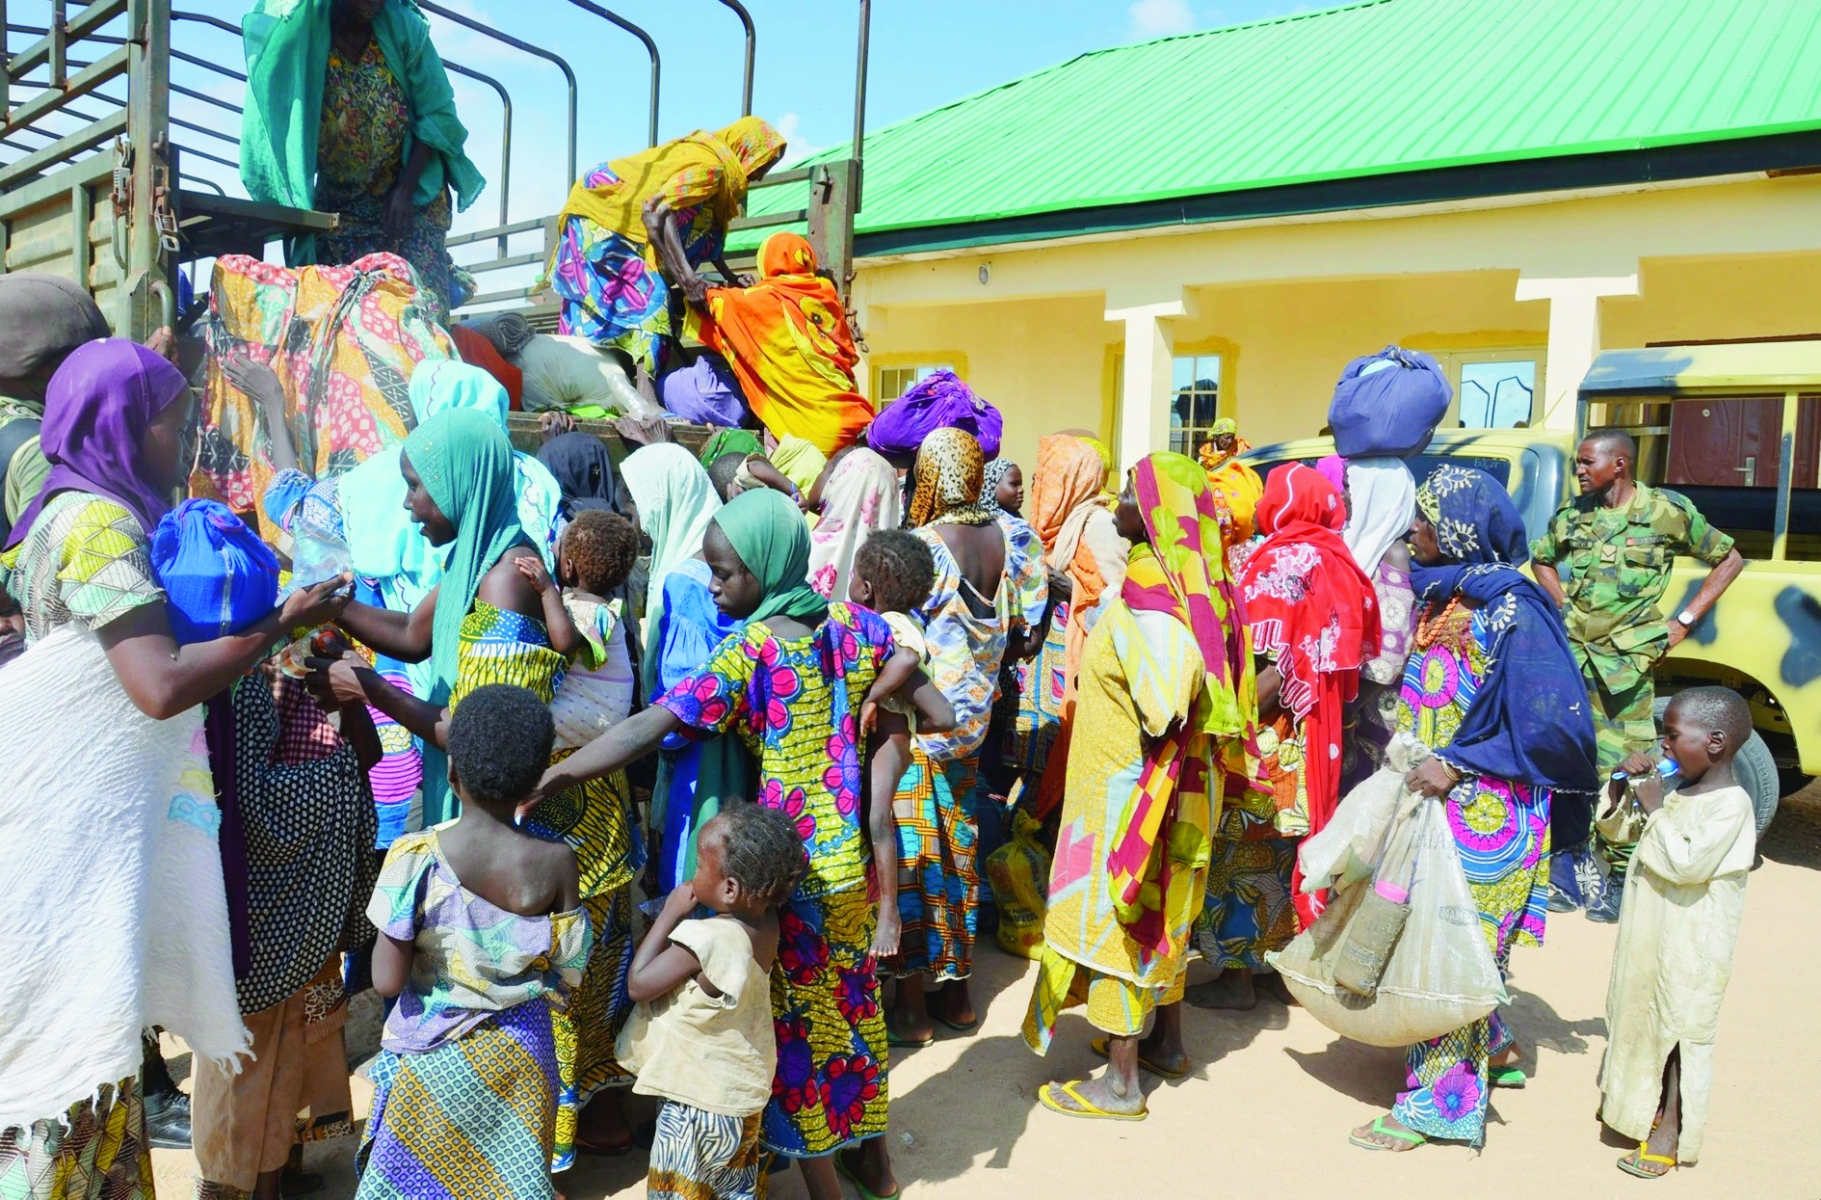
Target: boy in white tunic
(1679, 923)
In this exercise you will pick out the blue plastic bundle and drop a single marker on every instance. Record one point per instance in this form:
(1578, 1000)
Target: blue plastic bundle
(218, 577)
(1388, 403)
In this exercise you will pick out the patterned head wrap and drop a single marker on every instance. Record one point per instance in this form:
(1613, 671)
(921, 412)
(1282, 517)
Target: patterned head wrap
(991, 478)
(1474, 519)
(950, 474)
(1180, 570)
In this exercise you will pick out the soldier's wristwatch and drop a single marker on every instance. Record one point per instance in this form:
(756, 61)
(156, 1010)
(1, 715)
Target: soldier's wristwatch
(1687, 619)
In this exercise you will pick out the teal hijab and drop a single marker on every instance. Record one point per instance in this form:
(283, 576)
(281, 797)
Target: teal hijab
(465, 461)
(287, 47)
(769, 534)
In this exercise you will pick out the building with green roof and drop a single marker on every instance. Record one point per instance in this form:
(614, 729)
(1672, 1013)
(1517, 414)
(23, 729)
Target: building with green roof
(1143, 238)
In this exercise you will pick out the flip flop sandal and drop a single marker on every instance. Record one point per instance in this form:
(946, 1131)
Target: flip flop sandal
(1100, 1046)
(904, 1043)
(1507, 1077)
(1379, 1127)
(852, 1176)
(1633, 1166)
(1046, 1096)
(957, 1026)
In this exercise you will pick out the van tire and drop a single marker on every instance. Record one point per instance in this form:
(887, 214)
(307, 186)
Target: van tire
(1753, 766)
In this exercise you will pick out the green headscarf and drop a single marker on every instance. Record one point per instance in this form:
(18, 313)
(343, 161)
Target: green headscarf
(729, 441)
(465, 461)
(770, 536)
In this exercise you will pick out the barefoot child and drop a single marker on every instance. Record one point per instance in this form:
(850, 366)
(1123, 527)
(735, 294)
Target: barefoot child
(701, 1036)
(893, 574)
(481, 933)
(790, 683)
(593, 558)
(1678, 924)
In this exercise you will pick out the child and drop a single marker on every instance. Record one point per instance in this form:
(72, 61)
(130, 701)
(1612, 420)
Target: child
(893, 574)
(593, 558)
(1678, 924)
(702, 1036)
(790, 682)
(481, 932)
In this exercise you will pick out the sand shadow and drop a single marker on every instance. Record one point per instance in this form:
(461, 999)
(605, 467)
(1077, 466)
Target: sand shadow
(1794, 836)
(1369, 1074)
(1537, 1025)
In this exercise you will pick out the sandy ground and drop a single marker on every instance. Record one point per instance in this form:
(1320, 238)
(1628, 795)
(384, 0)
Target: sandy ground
(1274, 1094)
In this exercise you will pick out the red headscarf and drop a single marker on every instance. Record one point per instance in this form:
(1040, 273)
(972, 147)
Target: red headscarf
(1315, 613)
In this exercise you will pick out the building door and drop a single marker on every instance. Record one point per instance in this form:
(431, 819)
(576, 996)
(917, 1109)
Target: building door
(1736, 443)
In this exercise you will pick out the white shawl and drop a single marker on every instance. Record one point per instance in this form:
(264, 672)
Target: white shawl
(115, 915)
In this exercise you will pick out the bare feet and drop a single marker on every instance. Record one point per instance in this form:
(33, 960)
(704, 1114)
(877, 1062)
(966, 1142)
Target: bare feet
(601, 1128)
(1231, 990)
(1387, 1133)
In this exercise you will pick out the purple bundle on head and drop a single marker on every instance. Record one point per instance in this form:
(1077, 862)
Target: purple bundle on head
(938, 401)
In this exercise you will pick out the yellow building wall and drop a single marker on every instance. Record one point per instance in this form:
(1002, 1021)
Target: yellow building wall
(1289, 303)
(1039, 361)
(1707, 298)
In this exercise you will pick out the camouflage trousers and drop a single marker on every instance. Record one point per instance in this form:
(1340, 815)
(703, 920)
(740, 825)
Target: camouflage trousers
(1624, 723)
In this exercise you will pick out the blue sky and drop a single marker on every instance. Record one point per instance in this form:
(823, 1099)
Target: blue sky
(924, 53)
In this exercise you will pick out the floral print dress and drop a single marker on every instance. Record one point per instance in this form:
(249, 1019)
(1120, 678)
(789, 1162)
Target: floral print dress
(1502, 831)
(366, 117)
(795, 702)
(611, 293)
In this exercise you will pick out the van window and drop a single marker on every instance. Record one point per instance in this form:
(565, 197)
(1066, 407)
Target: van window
(1725, 454)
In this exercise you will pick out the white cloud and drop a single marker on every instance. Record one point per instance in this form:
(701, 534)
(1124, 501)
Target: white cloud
(799, 147)
(1159, 18)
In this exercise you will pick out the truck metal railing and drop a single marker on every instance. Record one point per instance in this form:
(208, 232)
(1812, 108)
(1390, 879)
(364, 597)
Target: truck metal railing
(79, 150)
(651, 48)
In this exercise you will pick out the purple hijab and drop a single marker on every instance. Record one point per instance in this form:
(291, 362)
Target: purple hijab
(940, 401)
(96, 411)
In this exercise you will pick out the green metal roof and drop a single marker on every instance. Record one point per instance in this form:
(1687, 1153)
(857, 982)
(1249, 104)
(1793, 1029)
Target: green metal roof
(1373, 89)
(1727, 366)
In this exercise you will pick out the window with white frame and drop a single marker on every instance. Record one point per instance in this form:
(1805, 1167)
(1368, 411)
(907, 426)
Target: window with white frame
(895, 381)
(1494, 389)
(1195, 403)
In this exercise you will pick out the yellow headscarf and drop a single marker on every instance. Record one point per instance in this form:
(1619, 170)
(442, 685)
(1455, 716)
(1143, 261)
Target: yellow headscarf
(704, 168)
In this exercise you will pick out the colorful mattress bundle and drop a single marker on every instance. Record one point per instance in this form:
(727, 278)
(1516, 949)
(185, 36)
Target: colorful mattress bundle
(343, 341)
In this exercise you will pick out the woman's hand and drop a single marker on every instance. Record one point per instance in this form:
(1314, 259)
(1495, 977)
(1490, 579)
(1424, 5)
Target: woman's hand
(259, 381)
(1431, 777)
(553, 425)
(336, 682)
(644, 431)
(1062, 588)
(532, 568)
(401, 213)
(317, 604)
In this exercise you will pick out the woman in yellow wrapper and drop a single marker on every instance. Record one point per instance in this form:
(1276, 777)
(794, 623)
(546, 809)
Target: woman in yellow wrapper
(1166, 688)
(605, 270)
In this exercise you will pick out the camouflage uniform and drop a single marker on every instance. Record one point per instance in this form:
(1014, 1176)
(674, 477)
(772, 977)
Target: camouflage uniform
(1619, 562)
(1618, 567)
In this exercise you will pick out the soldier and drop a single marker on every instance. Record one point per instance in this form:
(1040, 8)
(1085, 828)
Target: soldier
(1620, 539)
